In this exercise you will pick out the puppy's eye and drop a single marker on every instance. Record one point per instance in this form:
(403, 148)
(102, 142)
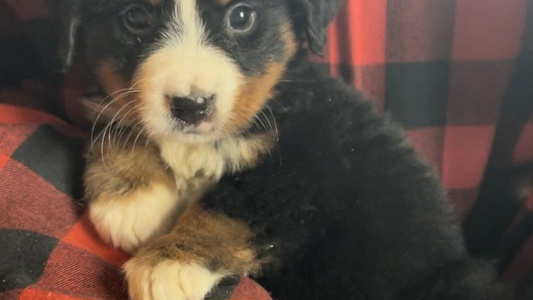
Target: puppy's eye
(138, 19)
(240, 19)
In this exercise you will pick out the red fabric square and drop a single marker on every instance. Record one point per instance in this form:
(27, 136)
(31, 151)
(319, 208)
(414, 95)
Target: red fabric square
(247, 288)
(466, 151)
(76, 272)
(33, 203)
(13, 115)
(35, 294)
(20, 115)
(84, 236)
(366, 41)
(488, 29)
(333, 49)
(3, 160)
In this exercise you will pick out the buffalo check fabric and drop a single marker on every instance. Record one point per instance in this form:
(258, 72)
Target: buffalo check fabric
(457, 74)
(48, 248)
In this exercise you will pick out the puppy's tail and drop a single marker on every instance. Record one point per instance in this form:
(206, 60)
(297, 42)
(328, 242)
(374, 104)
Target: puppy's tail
(470, 280)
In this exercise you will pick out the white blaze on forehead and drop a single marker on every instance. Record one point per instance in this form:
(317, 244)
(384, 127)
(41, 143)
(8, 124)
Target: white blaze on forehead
(188, 22)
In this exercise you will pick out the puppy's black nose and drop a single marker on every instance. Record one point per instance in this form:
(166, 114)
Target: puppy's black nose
(191, 109)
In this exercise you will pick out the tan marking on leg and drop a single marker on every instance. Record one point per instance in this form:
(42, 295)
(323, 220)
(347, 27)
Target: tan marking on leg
(209, 239)
(133, 198)
(188, 262)
(124, 168)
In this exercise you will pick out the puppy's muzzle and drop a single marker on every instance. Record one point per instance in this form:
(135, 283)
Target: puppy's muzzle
(192, 109)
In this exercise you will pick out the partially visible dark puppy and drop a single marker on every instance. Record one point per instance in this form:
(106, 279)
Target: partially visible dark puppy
(319, 198)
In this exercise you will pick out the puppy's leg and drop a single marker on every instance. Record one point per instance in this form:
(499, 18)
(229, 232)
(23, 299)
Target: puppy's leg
(133, 197)
(187, 263)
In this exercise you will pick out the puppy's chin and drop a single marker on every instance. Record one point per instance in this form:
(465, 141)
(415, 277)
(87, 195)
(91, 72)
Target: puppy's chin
(168, 128)
(191, 138)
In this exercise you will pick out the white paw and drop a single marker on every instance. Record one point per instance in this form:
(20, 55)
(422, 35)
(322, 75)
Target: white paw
(169, 280)
(134, 219)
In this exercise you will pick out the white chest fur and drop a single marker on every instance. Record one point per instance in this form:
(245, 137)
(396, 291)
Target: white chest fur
(212, 160)
(196, 166)
(129, 220)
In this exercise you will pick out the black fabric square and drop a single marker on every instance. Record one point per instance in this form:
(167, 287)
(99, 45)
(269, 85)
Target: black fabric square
(492, 213)
(23, 256)
(417, 93)
(56, 158)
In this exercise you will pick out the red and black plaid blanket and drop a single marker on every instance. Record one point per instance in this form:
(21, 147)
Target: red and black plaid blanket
(457, 74)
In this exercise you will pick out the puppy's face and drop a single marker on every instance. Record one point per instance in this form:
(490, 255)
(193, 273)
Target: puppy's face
(188, 69)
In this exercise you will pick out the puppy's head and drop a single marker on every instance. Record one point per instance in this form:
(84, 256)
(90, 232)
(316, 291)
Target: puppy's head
(192, 69)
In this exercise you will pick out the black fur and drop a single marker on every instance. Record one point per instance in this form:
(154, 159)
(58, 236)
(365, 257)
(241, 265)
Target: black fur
(312, 18)
(345, 208)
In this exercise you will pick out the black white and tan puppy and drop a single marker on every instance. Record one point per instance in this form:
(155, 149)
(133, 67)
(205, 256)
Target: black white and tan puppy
(223, 153)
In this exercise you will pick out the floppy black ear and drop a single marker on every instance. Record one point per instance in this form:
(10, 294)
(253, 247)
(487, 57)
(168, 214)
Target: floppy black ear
(70, 15)
(315, 16)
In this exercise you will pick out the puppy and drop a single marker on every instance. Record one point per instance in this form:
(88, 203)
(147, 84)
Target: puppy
(221, 152)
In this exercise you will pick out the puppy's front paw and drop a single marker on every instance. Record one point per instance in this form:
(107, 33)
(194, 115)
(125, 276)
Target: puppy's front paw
(135, 218)
(188, 262)
(168, 279)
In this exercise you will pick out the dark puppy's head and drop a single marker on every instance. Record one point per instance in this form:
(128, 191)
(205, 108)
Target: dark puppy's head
(192, 69)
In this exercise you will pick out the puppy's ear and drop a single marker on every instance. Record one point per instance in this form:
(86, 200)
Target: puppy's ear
(70, 15)
(313, 18)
